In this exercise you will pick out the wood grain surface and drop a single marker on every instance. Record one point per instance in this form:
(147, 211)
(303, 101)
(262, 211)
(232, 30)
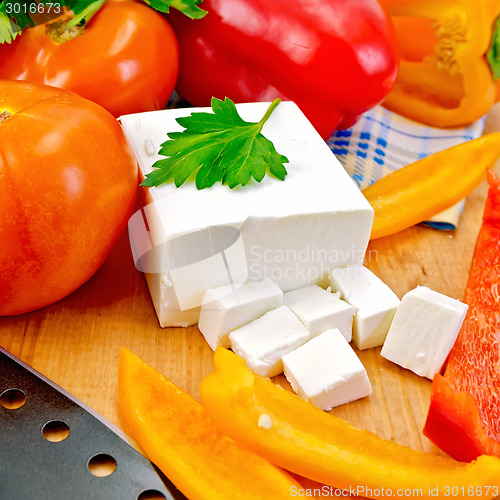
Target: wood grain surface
(76, 342)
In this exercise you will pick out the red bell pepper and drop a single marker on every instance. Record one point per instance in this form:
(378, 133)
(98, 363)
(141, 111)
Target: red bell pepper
(335, 58)
(464, 414)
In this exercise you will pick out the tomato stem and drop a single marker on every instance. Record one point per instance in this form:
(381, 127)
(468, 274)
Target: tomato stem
(4, 115)
(59, 31)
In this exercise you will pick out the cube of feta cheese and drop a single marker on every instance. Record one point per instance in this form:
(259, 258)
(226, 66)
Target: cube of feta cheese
(374, 303)
(228, 307)
(326, 371)
(263, 342)
(293, 231)
(423, 331)
(320, 310)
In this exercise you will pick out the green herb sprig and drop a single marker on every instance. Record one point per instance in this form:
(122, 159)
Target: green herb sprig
(218, 147)
(14, 17)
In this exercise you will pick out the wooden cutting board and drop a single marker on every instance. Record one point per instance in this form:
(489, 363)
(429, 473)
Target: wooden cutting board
(76, 342)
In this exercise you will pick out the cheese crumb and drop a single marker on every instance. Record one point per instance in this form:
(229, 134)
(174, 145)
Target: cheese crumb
(265, 421)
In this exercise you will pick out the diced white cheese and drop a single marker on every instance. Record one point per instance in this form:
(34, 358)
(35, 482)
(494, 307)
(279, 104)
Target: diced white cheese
(326, 371)
(263, 342)
(423, 331)
(320, 310)
(293, 231)
(228, 307)
(374, 303)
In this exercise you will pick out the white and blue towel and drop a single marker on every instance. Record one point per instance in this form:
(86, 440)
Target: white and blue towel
(383, 141)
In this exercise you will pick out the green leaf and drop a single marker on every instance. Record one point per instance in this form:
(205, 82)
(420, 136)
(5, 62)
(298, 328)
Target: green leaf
(188, 7)
(8, 28)
(14, 17)
(84, 10)
(218, 147)
(493, 54)
(208, 175)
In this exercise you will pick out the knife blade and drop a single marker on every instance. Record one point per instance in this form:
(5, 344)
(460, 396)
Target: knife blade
(53, 446)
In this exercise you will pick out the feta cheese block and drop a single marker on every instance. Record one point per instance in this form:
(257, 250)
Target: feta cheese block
(320, 310)
(263, 342)
(226, 308)
(374, 303)
(326, 371)
(423, 331)
(293, 231)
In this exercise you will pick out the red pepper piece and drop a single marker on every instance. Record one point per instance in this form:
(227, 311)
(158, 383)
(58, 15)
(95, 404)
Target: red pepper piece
(464, 414)
(335, 58)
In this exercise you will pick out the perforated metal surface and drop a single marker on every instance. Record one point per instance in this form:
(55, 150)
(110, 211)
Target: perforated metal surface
(33, 467)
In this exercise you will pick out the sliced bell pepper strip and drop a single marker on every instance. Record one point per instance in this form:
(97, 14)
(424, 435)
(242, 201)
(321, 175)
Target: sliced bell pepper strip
(453, 84)
(177, 434)
(317, 445)
(464, 414)
(422, 189)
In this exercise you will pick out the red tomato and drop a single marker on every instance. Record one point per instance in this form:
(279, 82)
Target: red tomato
(68, 184)
(125, 59)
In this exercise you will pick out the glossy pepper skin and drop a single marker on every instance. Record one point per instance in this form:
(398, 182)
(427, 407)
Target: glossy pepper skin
(464, 414)
(310, 442)
(444, 78)
(125, 58)
(335, 58)
(428, 186)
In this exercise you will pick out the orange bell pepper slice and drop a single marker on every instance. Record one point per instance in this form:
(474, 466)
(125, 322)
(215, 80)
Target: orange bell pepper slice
(451, 83)
(317, 445)
(464, 415)
(177, 434)
(428, 186)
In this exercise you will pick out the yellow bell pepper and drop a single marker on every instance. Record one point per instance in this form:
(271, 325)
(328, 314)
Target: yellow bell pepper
(177, 434)
(292, 433)
(450, 59)
(425, 188)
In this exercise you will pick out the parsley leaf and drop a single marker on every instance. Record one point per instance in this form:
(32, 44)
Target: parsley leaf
(8, 28)
(14, 18)
(83, 11)
(219, 147)
(187, 7)
(18, 15)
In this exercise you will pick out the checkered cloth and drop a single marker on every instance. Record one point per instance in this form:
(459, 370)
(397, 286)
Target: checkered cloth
(382, 141)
